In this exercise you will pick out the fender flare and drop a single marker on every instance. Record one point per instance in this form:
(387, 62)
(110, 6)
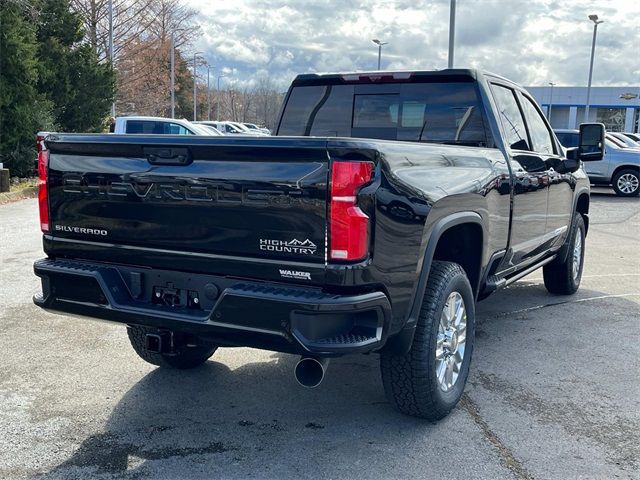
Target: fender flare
(400, 343)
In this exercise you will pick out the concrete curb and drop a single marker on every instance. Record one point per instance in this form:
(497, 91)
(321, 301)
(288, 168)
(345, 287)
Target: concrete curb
(9, 197)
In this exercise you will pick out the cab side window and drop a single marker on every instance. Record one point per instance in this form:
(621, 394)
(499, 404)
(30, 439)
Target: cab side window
(540, 136)
(511, 117)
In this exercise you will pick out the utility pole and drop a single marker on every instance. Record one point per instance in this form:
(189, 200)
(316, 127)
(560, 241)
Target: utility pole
(113, 104)
(596, 22)
(452, 32)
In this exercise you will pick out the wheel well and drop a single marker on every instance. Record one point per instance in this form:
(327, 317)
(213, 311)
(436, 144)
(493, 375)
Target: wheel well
(582, 207)
(462, 244)
(624, 167)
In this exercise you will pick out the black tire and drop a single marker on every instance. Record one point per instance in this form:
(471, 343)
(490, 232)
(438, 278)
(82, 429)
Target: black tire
(559, 278)
(187, 355)
(410, 381)
(633, 177)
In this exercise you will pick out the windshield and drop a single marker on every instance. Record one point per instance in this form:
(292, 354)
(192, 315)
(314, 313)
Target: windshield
(568, 139)
(239, 126)
(626, 140)
(613, 140)
(419, 112)
(208, 129)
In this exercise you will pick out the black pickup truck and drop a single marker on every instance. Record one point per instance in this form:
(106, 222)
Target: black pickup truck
(385, 207)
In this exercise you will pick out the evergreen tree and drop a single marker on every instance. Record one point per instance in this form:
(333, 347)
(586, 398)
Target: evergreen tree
(22, 110)
(80, 88)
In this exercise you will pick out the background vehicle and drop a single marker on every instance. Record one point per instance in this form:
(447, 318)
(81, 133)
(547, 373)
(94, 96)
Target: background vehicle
(211, 129)
(158, 126)
(626, 140)
(619, 168)
(246, 129)
(252, 126)
(227, 128)
(633, 136)
(318, 244)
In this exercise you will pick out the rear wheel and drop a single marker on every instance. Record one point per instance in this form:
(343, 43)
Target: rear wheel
(564, 278)
(626, 183)
(429, 380)
(187, 352)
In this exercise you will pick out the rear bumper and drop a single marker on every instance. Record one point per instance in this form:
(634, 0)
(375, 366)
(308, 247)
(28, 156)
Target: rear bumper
(229, 311)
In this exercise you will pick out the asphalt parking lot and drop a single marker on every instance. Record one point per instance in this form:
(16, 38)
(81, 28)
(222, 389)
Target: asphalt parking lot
(554, 390)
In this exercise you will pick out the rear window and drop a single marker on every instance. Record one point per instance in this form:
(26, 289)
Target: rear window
(420, 112)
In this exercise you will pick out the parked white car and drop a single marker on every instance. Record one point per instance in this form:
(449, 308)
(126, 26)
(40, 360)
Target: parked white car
(213, 130)
(229, 128)
(248, 130)
(253, 126)
(159, 126)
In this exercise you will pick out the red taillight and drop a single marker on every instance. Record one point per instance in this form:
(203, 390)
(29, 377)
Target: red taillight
(348, 225)
(43, 189)
(40, 141)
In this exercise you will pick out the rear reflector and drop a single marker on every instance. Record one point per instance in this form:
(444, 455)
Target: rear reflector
(348, 225)
(43, 189)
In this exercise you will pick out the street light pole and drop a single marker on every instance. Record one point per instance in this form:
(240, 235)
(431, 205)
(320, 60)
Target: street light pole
(113, 104)
(173, 71)
(380, 44)
(452, 32)
(596, 22)
(195, 85)
(208, 92)
(550, 102)
(218, 98)
(173, 75)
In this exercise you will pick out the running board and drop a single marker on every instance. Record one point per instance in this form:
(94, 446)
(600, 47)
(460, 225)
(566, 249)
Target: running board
(494, 282)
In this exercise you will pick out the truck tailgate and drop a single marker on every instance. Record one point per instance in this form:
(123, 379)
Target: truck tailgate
(252, 198)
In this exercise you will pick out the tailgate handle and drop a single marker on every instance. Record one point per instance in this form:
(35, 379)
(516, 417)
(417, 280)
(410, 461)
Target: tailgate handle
(168, 156)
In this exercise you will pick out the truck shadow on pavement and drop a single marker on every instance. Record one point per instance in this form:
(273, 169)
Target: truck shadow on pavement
(256, 421)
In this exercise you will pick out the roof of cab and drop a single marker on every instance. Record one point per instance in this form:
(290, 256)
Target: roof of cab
(398, 76)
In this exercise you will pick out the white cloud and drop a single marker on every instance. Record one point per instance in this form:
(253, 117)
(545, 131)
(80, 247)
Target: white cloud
(529, 41)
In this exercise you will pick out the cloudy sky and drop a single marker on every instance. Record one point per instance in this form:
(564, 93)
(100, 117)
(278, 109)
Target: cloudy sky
(531, 42)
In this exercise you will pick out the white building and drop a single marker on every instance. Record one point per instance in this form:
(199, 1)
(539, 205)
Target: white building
(617, 107)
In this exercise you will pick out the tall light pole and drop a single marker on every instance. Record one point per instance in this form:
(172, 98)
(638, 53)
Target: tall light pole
(195, 84)
(173, 71)
(208, 92)
(596, 22)
(113, 104)
(173, 75)
(550, 102)
(452, 32)
(218, 98)
(380, 44)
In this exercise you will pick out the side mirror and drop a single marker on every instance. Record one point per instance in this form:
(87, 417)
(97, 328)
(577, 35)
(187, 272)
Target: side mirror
(591, 142)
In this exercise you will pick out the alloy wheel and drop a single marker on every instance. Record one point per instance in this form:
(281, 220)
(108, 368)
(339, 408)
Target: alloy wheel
(628, 183)
(451, 341)
(577, 256)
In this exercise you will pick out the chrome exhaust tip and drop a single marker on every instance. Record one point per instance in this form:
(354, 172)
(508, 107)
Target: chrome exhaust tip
(309, 371)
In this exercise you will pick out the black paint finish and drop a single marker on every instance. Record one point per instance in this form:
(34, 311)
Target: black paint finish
(209, 215)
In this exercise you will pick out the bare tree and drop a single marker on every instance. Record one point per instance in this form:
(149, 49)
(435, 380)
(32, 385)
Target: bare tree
(130, 21)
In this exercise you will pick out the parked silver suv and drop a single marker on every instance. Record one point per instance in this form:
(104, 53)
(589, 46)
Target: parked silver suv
(619, 168)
